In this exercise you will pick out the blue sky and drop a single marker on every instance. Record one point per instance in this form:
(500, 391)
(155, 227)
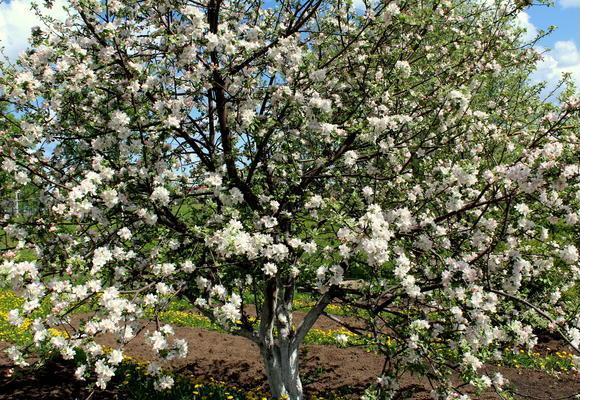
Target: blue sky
(563, 43)
(565, 15)
(16, 21)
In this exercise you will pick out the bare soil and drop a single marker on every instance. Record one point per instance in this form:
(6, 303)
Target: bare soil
(325, 369)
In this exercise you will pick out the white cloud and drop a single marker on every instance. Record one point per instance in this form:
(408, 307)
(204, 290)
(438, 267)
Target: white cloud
(562, 58)
(523, 21)
(16, 20)
(566, 52)
(568, 3)
(359, 5)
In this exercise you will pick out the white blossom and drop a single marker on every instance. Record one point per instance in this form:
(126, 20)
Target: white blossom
(160, 195)
(270, 269)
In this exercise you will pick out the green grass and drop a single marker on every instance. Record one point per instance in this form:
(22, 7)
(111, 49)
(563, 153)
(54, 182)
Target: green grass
(8, 332)
(133, 383)
(560, 361)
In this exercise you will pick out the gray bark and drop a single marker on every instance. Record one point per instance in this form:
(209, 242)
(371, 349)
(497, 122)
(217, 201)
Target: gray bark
(279, 342)
(281, 365)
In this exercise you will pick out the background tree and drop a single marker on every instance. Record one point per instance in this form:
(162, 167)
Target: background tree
(235, 152)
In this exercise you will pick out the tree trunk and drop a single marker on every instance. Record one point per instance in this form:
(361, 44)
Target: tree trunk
(281, 365)
(279, 342)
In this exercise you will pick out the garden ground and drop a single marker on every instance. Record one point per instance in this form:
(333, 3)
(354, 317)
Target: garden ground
(328, 371)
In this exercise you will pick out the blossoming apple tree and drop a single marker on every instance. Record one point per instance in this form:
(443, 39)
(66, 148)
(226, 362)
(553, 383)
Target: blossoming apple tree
(232, 152)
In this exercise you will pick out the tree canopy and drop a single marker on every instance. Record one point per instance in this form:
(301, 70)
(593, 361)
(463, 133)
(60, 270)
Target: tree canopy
(236, 152)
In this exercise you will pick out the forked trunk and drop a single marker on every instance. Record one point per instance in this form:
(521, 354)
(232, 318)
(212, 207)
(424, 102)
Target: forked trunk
(279, 341)
(281, 365)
